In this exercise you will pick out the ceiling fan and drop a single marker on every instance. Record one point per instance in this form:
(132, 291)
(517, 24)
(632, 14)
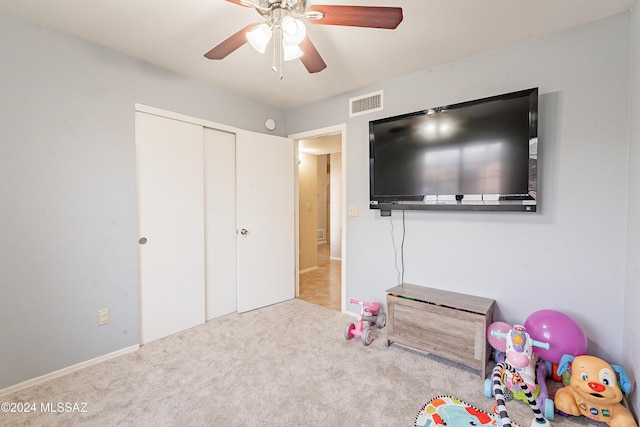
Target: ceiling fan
(284, 19)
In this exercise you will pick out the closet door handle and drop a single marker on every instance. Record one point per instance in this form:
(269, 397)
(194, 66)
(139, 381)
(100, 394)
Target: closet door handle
(244, 231)
(142, 240)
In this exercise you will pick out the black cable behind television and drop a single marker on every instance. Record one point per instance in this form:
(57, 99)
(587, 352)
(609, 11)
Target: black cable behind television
(476, 155)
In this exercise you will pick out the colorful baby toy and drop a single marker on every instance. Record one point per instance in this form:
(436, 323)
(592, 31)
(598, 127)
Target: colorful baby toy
(564, 335)
(369, 312)
(592, 390)
(442, 411)
(519, 372)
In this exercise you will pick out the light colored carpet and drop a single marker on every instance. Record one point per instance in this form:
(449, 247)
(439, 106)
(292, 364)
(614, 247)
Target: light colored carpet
(283, 365)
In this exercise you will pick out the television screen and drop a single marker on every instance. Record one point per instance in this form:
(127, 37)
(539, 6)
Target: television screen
(481, 152)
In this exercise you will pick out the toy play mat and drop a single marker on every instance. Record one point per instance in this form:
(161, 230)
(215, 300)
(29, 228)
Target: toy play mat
(451, 411)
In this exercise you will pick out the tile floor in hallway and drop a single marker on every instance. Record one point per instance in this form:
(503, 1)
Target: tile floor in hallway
(323, 285)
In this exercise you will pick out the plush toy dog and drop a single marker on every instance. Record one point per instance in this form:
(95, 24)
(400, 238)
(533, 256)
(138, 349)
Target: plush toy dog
(593, 391)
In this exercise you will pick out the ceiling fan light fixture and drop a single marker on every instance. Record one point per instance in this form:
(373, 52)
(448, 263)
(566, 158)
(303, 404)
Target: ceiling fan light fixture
(283, 20)
(291, 51)
(259, 37)
(293, 30)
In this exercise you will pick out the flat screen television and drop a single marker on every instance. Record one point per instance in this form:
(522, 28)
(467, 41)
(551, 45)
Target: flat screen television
(475, 155)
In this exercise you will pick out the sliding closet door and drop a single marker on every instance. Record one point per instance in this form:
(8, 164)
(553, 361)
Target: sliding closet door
(169, 157)
(265, 212)
(220, 223)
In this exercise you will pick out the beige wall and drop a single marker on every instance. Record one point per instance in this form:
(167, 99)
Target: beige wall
(308, 210)
(323, 195)
(336, 209)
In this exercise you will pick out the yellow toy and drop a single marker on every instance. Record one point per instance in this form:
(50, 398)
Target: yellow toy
(592, 390)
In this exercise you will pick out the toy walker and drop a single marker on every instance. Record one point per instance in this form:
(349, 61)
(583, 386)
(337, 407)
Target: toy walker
(369, 312)
(519, 372)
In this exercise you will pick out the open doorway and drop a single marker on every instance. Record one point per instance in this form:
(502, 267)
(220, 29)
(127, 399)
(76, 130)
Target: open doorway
(320, 219)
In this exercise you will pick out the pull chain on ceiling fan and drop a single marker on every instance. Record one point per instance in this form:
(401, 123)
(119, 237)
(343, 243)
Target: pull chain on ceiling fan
(289, 32)
(284, 19)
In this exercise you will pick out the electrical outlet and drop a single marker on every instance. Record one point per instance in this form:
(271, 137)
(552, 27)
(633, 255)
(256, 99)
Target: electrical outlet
(353, 210)
(103, 317)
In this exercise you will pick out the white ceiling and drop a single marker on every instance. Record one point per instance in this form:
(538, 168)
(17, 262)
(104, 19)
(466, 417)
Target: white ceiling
(175, 34)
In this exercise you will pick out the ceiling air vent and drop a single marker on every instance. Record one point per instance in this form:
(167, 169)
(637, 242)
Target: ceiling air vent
(365, 104)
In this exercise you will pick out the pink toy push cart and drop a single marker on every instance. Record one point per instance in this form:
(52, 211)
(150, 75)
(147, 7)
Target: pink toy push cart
(369, 312)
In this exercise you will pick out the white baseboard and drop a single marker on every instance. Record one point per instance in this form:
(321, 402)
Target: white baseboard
(46, 377)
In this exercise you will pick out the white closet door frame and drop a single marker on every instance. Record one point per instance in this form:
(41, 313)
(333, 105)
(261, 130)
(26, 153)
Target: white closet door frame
(269, 288)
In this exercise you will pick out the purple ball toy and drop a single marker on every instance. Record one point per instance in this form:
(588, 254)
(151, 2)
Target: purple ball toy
(562, 333)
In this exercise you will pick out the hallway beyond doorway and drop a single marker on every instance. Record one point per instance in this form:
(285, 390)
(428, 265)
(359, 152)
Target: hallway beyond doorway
(323, 285)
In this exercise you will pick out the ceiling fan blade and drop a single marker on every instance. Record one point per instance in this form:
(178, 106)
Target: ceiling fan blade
(358, 16)
(230, 44)
(311, 59)
(237, 2)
